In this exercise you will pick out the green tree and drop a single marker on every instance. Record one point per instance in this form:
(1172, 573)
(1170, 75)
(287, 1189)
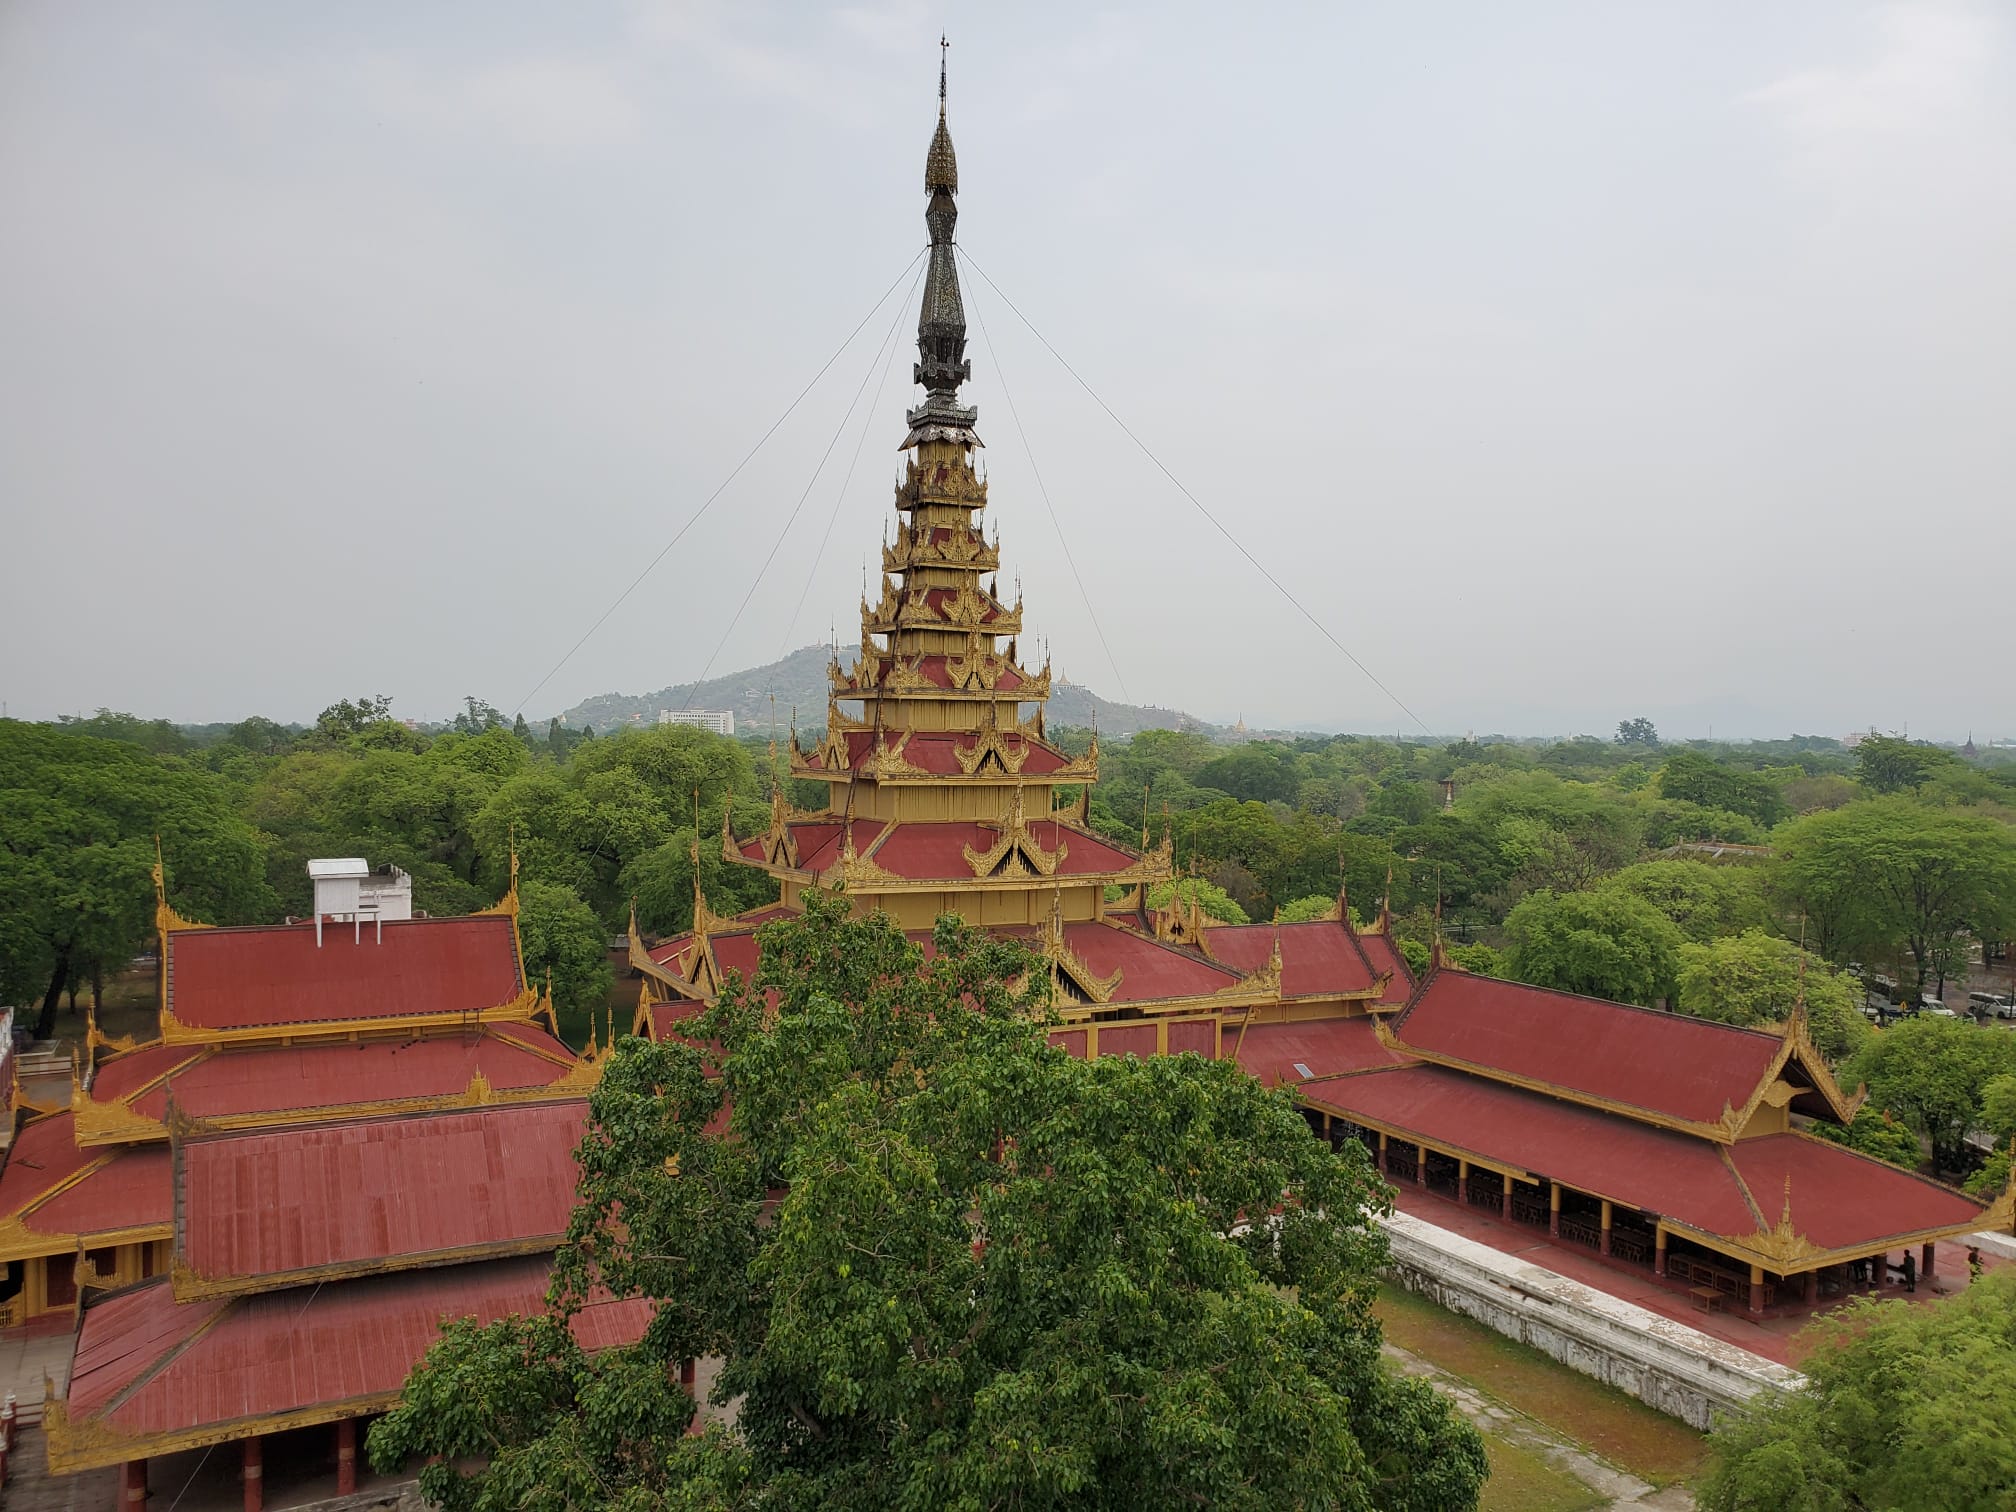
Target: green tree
(1213, 899)
(998, 1276)
(1755, 978)
(1607, 945)
(1878, 1135)
(1911, 1409)
(477, 716)
(1703, 900)
(1639, 731)
(1890, 873)
(1891, 764)
(79, 818)
(1694, 778)
(1303, 909)
(561, 935)
(351, 716)
(1933, 1073)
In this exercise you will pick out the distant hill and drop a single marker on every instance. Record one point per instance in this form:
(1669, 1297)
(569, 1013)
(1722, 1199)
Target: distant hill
(799, 681)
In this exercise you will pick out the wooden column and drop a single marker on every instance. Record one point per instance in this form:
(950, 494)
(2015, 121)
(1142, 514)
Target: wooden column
(1420, 1165)
(1756, 1290)
(1925, 1263)
(1505, 1206)
(1659, 1250)
(133, 1486)
(1604, 1244)
(1462, 1183)
(1809, 1285)
(1382, 1152)
(346, 1456)
(1554, 1208)
(254, 1473)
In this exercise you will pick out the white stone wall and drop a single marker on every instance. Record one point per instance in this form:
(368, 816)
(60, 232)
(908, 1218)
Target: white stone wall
(1680, 1370)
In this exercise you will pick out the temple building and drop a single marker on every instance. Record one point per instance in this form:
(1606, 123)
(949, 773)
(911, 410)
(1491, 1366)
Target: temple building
(1663, 1143)
(347, 1129)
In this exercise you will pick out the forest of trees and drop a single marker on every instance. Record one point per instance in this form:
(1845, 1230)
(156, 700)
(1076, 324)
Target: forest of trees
(1584, 864)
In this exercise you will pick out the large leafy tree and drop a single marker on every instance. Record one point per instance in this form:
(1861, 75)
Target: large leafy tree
(1905, 1408)
(1892, 764)
(79, 818)
(1602, 944)
(996, 1276)
(1694, 778)
(566, 944)
(1892, 874)
(1755, 978)
(1704, 901)
(1934, 1073)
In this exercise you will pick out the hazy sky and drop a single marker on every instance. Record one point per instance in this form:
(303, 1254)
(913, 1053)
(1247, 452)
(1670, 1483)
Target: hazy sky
(1571, 362)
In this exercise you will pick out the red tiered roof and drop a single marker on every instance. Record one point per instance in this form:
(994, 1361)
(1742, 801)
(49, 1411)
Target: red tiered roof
(209, 1083)
(147, 1366)
(276, 975)
(376, 1194)
(1313, 1051)
(1149, 968)
(1666, 1063)
(935, 751)
(1840, 1200)
(935, 850)
(1319, 958)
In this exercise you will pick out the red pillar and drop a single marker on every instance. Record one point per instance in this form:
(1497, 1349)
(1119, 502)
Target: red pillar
(346, 1456)
(1925, 1263)
(1462, 1183)
(254, 1473)
(1659, 1250)
(133, 1486)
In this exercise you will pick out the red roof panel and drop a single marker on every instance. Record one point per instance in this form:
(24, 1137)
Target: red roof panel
(1838, 1198)
(1381, 954)
(121, 1075)
(240, 978)
(44, 1155)
(820, 843)
(931, 850)
(1319, 957)
(376, 1192)
(1292, 1053)
(147, 1365)
(280, 1078)
(1150, 969)
(128, 1190)
(1666, 1063)
(1605, 1154)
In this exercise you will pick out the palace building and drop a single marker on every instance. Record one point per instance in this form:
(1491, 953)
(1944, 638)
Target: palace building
(1669, 1144)
(347, 1129)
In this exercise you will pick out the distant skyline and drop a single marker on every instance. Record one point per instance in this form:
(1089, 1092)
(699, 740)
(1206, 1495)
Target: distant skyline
(1571, 364)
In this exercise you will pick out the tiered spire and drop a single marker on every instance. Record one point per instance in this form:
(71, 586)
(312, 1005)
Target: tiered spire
(942, 363)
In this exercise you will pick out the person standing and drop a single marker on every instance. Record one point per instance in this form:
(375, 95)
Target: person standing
(1910, 1271)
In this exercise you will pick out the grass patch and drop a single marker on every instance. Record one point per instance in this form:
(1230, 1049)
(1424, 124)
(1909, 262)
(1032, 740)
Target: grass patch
(1523, 1482)
(1621, 1429)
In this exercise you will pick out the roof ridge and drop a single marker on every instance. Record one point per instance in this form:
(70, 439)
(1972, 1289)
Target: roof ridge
(1672, 1015)
(1918, 1176)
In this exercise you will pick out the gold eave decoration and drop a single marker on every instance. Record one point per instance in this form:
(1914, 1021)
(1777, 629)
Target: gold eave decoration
(990, 747)
(1016, 853)
(89, 1444)
(1263, 983)
(523, 1009)
(940, 483)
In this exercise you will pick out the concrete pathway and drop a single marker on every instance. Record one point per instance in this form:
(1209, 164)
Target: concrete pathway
(1623, 1491)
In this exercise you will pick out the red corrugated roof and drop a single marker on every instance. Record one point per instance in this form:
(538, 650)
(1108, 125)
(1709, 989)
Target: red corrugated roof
(1666, 1063)
(129, 1189)
(1676, 1175)
(1838, 1197)
(146, 1365)
(921, 851)
(43, 1155)
(239, 978)
(273, 1202)
(820, 844)
(121, 1075)
(1318, 957)
(1292, 1053)
(1149, 968)
(1381, 954)
(936, 751)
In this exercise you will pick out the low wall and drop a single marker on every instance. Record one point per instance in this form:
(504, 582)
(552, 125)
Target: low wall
(1682, 1371)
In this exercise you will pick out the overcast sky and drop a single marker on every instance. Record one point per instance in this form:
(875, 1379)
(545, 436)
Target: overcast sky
(1570, 362)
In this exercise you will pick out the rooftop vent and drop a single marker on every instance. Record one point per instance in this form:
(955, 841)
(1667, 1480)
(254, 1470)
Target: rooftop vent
(348, 891)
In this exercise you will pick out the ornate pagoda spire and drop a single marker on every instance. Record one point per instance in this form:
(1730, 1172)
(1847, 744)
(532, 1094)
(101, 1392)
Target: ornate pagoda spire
(942, 364)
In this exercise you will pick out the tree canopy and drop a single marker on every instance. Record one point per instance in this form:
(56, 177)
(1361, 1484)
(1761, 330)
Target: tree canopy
(1601, 944)
(996, 1275)
(1906, 1408)
(1934, 1074)
(1755, 978)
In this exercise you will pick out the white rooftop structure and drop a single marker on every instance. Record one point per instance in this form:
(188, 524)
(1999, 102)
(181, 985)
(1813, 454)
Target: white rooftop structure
(348, 891)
